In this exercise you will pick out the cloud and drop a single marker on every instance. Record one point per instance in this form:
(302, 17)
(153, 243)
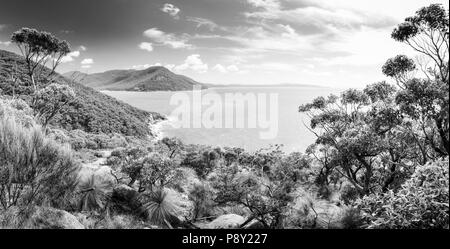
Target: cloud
(87, 61)
(171, 9)
(266, 4)
(223, 69)
(273, 66)
(194, 63)
(83, 48)
(145, 66)
(6, 43)
(170, 40)
(220, 68)
(203, 22)
(70, 56)
(146, 46)
(318, 16)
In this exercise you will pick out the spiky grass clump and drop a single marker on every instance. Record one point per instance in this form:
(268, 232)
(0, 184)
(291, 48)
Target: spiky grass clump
(159, 207)
(94, 195)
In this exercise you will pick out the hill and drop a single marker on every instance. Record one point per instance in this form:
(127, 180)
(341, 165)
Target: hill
(151, 79)
(92, 111)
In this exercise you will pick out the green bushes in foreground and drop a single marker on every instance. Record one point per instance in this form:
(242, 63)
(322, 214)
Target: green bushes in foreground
(34, 170)
(421, 202)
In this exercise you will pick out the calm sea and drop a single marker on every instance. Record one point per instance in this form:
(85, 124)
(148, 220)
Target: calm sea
(291, 130)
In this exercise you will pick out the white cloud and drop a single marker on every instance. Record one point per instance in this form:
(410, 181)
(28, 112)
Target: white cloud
(70, 56)
(220, 68)
(203, 22)
(223, 69)
(6, 43)
(83, 48)
(272, 66)
(194, 63)
(146, 46)
(232, 68)
(145, 66)
(87, 61)
(266, 4)
(169, 40)
(171, 9)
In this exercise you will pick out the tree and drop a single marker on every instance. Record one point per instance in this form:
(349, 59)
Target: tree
(427, 32)
(157, 171)
(265, 194)
(49, 101)
(129, 161)
(40, 49)
(425, 101)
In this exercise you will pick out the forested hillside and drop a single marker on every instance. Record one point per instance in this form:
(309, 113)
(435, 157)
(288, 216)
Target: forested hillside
(90, 110)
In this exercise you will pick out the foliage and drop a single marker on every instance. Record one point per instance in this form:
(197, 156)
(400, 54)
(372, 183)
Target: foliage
(159, 208)
(422, 201)
(40, 48)
(93, 195)
(33, 169)
(50, 100)
(90, 111)
(17, 109)
(157, 172)
(201, 196)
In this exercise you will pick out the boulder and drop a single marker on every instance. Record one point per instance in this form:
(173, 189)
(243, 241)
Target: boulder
(226, 221)
(254, 224)
(124, 199)
(51, 218)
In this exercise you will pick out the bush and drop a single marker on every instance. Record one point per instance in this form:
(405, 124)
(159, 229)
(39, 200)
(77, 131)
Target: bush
(202, 197)
(34, 168)
(349, 193)
(18, 109)
(422, 201)
(159, 207)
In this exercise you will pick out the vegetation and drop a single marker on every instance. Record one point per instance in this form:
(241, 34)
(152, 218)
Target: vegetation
(33, 169)
(151, 79)
(380, 159)
(89, 111)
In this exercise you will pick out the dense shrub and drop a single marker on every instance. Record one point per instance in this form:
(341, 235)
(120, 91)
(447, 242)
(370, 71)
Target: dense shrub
(421, 202)
(33, 168)
(18, 109)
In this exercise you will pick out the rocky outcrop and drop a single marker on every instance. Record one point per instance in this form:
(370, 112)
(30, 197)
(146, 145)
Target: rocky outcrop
(227, 221)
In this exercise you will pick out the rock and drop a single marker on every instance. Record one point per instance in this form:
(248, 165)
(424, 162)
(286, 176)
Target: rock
(227, 221)
(124, 198)
(254, 224)
(51, 218)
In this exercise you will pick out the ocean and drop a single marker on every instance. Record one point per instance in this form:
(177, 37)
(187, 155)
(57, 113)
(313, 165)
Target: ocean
(269, 115)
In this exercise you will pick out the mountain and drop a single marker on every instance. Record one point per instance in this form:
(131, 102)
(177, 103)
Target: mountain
(91, 111)
(151, 79)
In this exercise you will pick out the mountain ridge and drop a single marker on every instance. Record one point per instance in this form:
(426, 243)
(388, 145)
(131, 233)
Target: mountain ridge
(156, 78)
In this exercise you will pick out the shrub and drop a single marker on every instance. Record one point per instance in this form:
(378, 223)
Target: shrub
(202, 197)
(422, 201)
(18, 109)
(349, 193)
(33, 168)
(94, 196)
(159, 208)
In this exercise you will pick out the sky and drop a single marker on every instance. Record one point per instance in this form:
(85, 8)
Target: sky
(338, 43)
